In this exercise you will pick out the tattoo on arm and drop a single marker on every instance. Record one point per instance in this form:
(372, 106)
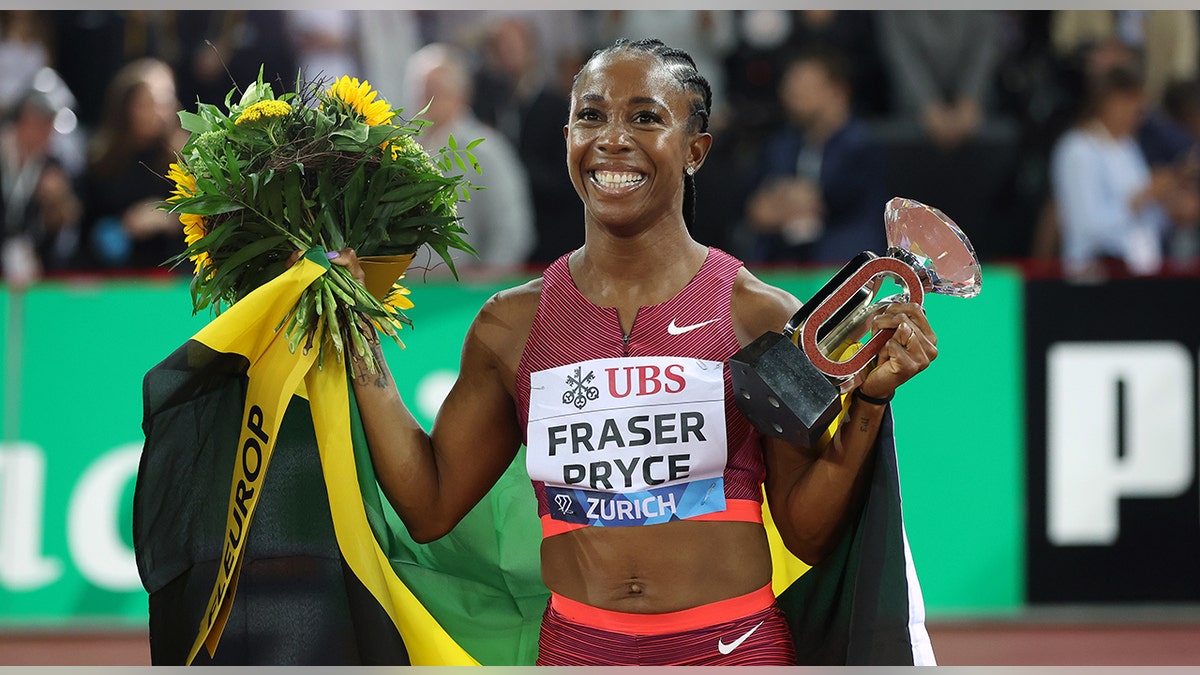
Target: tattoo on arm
(363, 375)
(864, 424)
(377, 351)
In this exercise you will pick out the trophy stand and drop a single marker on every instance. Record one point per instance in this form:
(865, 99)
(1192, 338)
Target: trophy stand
(789, 384)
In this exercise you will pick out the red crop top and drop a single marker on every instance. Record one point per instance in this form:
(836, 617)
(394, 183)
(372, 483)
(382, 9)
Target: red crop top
(642, 430)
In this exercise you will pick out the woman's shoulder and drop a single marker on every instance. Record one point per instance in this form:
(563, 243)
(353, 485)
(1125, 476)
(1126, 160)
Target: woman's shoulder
(505, 321)
(758, 307)
(517, 300)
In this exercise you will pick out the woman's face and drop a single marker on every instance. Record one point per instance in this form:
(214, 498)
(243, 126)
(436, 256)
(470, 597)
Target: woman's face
(144, 120)
(1122, 112)
(152, 105)
(628, 140)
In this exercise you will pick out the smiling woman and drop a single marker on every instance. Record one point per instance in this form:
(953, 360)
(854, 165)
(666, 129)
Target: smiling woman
(654, 548)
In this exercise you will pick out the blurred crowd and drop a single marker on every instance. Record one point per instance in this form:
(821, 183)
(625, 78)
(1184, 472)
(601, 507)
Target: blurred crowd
(1065, 136)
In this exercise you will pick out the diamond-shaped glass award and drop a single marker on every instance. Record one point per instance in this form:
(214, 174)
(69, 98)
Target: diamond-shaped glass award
(788, 384)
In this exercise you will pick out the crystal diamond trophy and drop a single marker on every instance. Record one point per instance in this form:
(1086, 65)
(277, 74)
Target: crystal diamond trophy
(789, 384)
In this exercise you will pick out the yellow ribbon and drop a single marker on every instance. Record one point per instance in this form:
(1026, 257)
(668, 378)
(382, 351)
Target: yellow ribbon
(247, 328)
(275, 375)
(427, 642)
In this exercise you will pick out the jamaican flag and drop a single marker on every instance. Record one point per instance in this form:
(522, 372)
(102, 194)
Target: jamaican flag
(862, 605)
(310, 566)
(305, 566)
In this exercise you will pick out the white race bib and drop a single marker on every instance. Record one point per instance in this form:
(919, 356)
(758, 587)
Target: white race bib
(629, 441)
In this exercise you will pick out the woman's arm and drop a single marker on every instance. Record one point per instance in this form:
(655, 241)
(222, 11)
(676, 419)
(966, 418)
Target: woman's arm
(814, 491)
(433, 479)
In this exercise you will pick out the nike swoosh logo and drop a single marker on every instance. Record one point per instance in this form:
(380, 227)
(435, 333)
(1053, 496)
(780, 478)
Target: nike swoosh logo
(680, 330)
(728, 648)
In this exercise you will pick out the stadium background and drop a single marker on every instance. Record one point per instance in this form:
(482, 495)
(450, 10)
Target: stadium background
(1048, 461)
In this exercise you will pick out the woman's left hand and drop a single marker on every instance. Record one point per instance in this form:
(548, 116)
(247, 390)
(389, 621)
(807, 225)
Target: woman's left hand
(909, 350)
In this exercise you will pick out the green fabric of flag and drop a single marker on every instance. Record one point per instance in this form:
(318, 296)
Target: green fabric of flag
(298, 602)
(862, 605)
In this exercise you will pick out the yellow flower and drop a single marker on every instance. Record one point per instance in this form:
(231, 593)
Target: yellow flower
(193, 231)
(362, 99)
(193, 225)
(264, 110)
(393, 303)
(397, 299)
(185, 183)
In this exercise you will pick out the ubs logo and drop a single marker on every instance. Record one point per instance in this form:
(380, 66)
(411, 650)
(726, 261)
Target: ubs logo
(580, 389)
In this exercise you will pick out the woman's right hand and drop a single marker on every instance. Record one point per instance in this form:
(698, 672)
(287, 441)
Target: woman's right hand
(346, 258)
(349, 259)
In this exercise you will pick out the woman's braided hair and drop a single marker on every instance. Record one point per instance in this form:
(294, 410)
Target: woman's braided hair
(683, 67)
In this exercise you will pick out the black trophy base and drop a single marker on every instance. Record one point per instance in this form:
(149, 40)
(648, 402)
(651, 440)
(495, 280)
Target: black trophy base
(781, 392)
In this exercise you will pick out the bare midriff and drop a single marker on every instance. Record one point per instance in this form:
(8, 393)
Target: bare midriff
(657, 568)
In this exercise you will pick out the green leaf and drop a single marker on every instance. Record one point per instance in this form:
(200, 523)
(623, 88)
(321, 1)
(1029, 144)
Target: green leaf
(356, 132)
(473, 144)
(293, 205)
(381, 133)
(234, 166)
(215, 172)
(250, 251)
(194, 123)
(412, 190)
(333, 236)
(207, 205)
(352, 194)
(474, 162)
(445, 255)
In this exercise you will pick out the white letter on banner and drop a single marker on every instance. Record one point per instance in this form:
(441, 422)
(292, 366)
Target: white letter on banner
(1085, 477)
(92, 523)
(22, 512)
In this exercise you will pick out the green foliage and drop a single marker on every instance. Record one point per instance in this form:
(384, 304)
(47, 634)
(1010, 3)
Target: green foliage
(311, 169)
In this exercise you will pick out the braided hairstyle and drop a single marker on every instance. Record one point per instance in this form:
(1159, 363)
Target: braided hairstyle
(683, 67)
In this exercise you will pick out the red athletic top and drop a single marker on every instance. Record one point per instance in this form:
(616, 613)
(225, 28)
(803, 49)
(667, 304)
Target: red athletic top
(696, 323)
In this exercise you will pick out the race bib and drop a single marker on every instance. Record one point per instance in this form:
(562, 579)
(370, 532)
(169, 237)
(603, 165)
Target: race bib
(629, 441)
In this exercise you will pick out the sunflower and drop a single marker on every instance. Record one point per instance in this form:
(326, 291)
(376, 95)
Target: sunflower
(193, 225)
(260, 178)
(397, 298)
(264, 110)
(362, 99)
(185, 182)
(393, 304)
(193, 231)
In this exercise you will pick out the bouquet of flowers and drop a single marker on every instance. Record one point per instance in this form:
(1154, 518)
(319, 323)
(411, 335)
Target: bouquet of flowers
(326, 165)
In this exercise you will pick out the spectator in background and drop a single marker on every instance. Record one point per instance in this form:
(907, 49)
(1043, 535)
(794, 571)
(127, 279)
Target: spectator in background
(1167, 40)
(387, 39)
(1166, 146)
(854, 34)
(1181, 103)
(498, 218)
(515, 95)
(823, 177)
(224, 48)
(1108, 203)
(324, 41)
(127, 159)
(38, 202)
(1162, 140)
(942, 66)
(24, 50)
